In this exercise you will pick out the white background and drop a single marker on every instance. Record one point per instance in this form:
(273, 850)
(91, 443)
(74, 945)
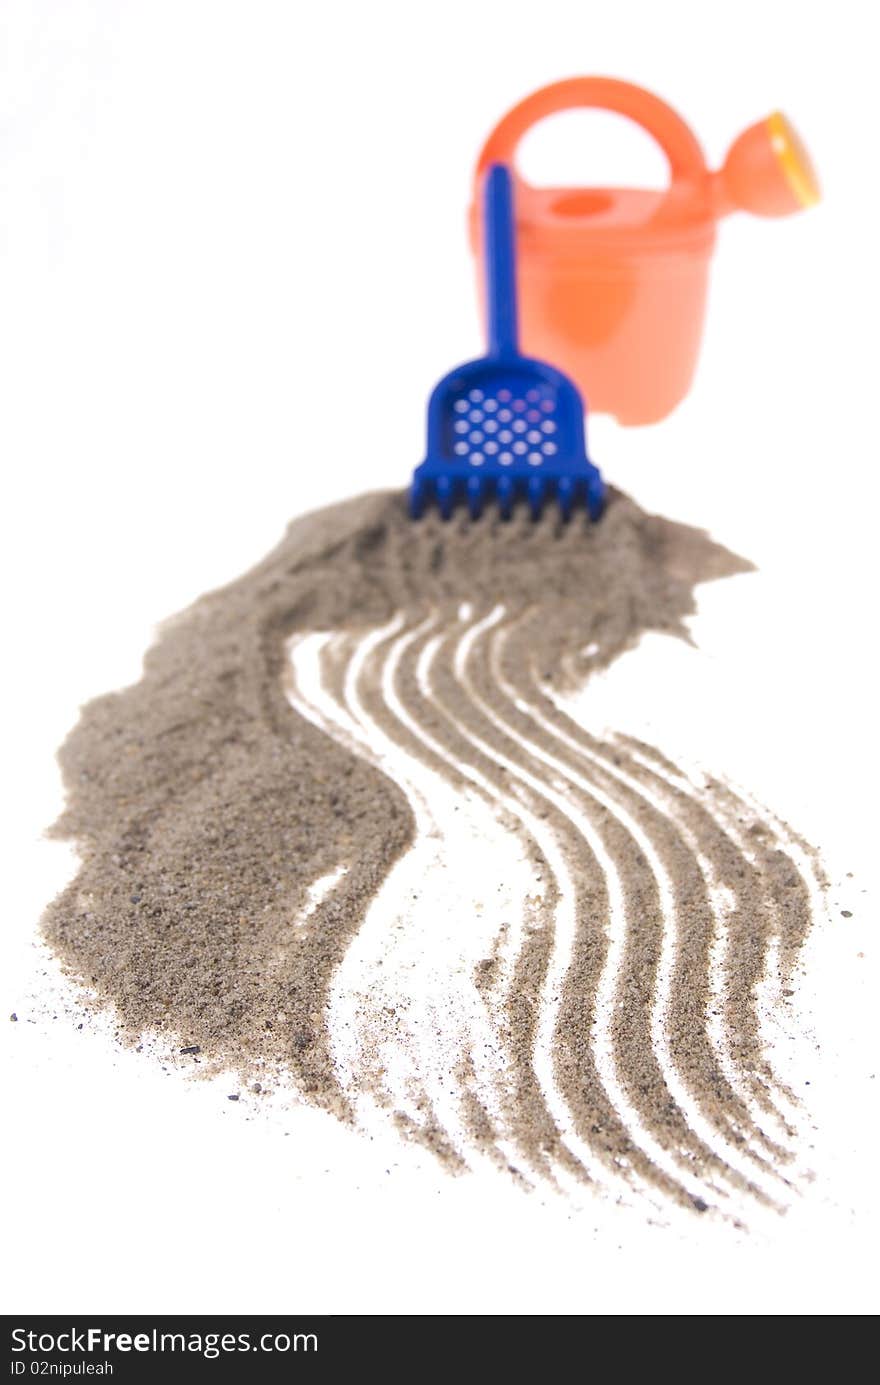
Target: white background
(228, 227)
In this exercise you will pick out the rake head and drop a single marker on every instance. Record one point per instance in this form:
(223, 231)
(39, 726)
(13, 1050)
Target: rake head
(500, 434)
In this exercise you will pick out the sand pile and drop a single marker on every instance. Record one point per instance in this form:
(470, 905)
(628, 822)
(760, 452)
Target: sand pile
(272, 824)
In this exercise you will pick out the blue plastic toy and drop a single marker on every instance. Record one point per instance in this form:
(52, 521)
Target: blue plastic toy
(505, 427)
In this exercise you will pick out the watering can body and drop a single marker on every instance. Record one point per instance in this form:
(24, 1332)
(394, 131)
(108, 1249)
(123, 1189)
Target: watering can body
(613, 281)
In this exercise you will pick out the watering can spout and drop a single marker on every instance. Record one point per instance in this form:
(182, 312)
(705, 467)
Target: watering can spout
(768, 172)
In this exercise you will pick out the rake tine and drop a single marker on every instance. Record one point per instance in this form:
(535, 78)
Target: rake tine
(475, 493)
(536, 488)
(504, 489)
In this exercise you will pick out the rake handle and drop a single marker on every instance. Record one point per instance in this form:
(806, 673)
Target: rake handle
(500, 260)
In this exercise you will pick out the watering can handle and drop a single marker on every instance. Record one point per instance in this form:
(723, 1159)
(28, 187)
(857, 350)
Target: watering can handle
(676, 139)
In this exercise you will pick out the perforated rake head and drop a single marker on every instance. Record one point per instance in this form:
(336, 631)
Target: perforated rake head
(505, 428)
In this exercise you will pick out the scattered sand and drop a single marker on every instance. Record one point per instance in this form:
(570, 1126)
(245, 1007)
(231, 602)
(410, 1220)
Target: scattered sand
(208, 799)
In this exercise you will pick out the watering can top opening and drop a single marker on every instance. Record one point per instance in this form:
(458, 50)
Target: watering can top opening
(767, 172)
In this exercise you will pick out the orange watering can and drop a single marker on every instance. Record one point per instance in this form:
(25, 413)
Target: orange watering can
(612, 281)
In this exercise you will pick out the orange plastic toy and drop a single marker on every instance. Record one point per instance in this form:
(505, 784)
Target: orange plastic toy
(612, 281)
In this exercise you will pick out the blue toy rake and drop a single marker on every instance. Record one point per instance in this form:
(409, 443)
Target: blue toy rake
(505, 427)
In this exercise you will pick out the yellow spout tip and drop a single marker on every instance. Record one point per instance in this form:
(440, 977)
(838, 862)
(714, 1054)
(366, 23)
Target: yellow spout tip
(794, 160)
